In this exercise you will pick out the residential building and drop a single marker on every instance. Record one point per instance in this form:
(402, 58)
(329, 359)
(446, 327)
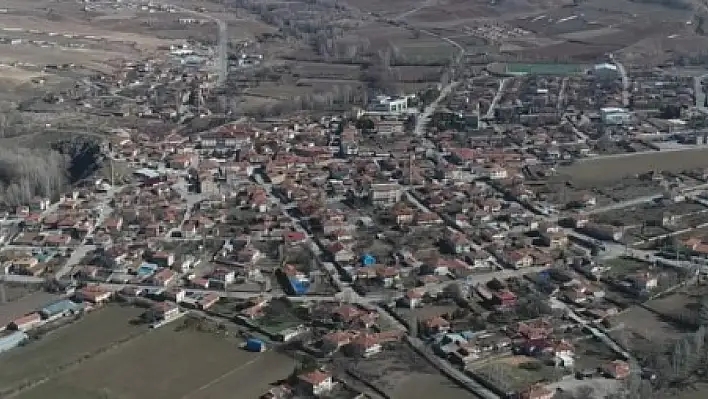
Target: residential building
(617, 369)
(26, 323)
(164, 310)
(12, 339)
(316, 382)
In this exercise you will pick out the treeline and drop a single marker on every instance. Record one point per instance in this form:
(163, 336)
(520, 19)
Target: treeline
(26, 173)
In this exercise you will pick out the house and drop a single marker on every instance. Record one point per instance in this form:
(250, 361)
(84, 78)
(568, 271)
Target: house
(163, 277)
(504, 298)
(643, 281)
(554, 239)
(384, 194)
(175, 294)
(333, 341)
(93, 294)
(365, 345)
(536, 391)
(207, 301)
(316, 382)
(413, 298)
(163, 259)
(458, 243)
(59, 308)
(26, 323)
(519, 259)
(436, 325)
(617, 369)
(164, 310)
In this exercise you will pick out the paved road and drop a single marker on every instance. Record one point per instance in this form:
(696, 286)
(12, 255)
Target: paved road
(221, 62)
(424, 117)
(497, 96)
(625, 81)
(82, 250)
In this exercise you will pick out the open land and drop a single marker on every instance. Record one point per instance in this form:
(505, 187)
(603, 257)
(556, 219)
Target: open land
(181, 364)
(94, 332)
(607, 169)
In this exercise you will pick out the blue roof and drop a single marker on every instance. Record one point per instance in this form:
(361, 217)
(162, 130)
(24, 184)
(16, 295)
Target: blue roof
(147, 268)
(61, 306)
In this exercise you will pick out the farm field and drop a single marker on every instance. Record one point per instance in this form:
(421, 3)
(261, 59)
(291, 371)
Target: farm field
(605, 169)
(67, 345)
(169, 364)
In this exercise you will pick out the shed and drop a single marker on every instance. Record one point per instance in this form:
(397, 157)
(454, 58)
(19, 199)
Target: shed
(255, 345)
(63, 307)
(10, 340)
(368, 260)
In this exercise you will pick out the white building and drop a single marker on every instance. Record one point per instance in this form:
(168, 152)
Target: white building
(615, 116)
(390, 104)
(606, 71)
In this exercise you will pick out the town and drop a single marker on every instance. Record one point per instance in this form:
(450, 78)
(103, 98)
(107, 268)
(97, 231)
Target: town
(505, 230)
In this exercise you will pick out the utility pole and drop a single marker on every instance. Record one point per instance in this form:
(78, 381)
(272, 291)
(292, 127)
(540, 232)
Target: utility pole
(3, 296)
(110, 164)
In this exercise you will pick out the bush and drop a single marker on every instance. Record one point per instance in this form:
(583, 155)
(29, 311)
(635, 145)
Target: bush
(533, 366)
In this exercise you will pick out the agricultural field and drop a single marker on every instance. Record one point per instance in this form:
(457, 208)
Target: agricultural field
(93, 333)
(167, 363)
(604, 169)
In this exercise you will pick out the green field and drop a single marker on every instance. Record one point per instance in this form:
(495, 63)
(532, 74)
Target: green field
(544, 69)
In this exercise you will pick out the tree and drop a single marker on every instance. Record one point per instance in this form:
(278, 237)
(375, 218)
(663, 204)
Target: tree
(703, 311)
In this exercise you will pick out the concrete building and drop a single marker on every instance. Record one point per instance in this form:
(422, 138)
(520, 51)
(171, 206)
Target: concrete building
(606, 71)
(389, 104)
(10, 340)
(60, 308)
(615, 116)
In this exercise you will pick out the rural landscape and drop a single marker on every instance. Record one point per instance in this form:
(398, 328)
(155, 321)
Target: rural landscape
(354, 199)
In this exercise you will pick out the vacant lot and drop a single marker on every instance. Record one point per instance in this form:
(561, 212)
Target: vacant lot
(168, 364)
(424, 386)
(510, 373)
(643, 326)
(398, 371)
(625, 266)
(607, 169)
(66, 345)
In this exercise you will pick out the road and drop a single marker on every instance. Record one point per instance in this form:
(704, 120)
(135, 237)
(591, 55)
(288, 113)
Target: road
(221, 62)
(412, 11)
(497, 97)
(561, 95)
(581, 136)
(424, 117)
(624, 204)
(625, 81)
(83, 249)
